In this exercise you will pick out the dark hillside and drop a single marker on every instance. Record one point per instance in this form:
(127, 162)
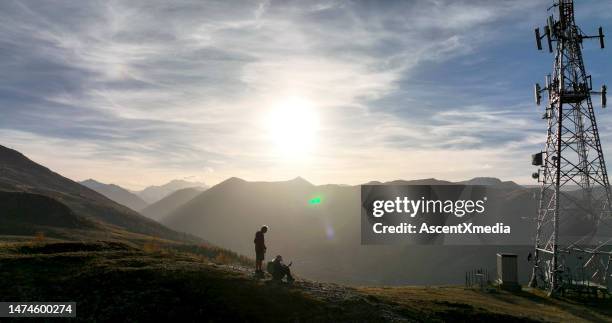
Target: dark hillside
(29, 211)
(20, 174)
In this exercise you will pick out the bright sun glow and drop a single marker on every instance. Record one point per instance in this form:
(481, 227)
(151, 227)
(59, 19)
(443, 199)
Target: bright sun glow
(293, 126)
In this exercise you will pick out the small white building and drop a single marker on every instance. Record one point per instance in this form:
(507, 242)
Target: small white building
(507, 271)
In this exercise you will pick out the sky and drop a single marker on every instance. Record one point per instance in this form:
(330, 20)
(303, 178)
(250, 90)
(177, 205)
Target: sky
(138, 93)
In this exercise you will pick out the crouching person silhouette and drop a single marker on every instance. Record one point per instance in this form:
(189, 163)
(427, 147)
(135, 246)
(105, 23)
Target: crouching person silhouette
(279, 270)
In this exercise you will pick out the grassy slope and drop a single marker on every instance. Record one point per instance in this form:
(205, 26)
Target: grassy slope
(119, 282)
(115, 282)
(451, 302)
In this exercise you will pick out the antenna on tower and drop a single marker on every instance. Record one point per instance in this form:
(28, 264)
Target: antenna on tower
(537, 90)
(540, 37)
(568, 236)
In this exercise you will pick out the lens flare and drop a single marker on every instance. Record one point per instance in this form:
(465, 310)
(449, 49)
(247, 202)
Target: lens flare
(315, 201)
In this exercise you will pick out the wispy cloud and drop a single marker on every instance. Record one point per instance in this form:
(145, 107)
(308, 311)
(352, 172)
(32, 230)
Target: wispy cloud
(140, 92)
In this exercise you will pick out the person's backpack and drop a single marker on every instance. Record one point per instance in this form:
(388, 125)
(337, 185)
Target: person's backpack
(270, 267)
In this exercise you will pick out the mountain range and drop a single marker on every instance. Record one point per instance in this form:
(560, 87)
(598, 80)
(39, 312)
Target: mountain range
(139, 200)
(154, 193)
(36, 199)
(323, 240)
(162, 208)
(109, 257)
(117, 194)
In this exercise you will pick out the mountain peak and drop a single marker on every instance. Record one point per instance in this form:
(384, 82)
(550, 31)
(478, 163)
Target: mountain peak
(491, 181)
(177, 182)
(116, 193)
(300, 181)
(425, 181)
(90, 181)
(483, 181)
(153, 194)
(232, 180)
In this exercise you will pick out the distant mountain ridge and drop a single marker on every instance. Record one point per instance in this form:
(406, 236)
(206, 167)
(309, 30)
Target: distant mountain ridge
(155, 193)
(117, 194)
(160, 209)
(486, 181)
(18, 174)
(323, 240)
(492, 181)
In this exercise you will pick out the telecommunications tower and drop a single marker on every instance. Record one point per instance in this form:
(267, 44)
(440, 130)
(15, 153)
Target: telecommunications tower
(573, 242)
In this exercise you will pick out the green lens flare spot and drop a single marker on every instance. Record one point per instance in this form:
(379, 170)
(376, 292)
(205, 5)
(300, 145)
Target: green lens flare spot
(314, 201)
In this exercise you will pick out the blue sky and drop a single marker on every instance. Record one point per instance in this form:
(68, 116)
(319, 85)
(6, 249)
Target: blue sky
(141, 92)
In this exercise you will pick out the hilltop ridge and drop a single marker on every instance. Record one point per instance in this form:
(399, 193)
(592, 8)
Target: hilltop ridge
(139, 285)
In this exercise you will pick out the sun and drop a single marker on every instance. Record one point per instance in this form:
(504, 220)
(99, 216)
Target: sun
(292, 126)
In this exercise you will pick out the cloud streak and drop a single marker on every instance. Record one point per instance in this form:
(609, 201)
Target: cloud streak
(137, 93)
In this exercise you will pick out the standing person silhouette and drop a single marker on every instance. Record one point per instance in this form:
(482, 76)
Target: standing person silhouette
(260, 249)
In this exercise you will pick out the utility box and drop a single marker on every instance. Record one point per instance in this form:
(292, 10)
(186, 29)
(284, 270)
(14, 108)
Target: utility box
(507, 271)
